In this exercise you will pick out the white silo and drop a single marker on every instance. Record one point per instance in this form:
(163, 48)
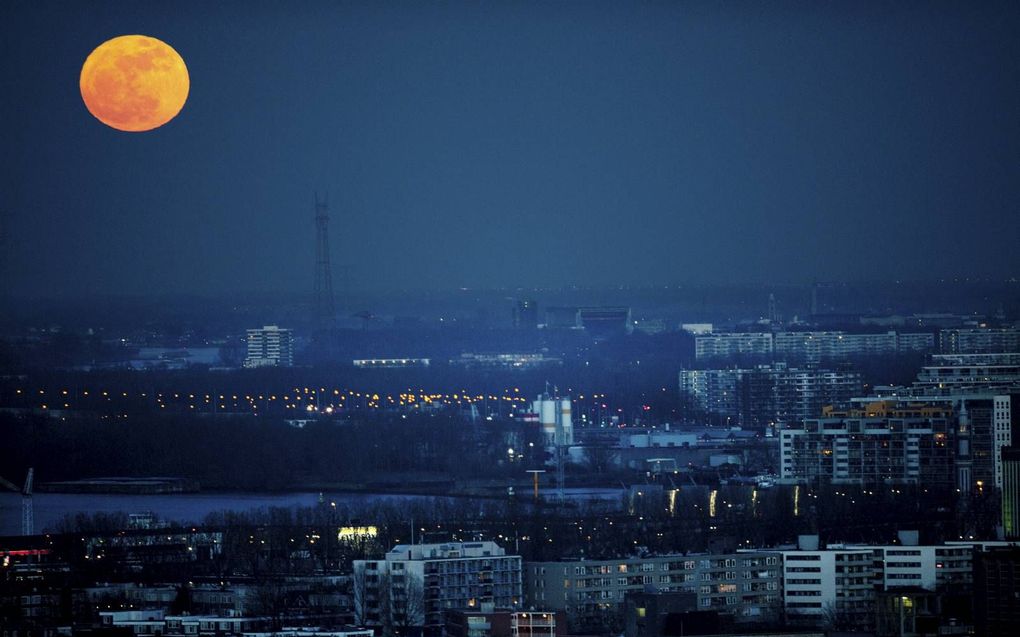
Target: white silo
(554, 416)
(545, 407)
(565, 423)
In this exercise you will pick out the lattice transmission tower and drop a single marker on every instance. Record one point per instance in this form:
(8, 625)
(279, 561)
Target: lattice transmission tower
(324, 307)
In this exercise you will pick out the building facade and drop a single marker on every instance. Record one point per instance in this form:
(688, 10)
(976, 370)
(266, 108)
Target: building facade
(836, 581)
(733, 344)
(1010, 457)
(955, 373)
(768, 394)
(941, 441)
(415, 584)
(745, 585)
(270, 346)
(979, 340)
(811, 346)
(997, 592)
(868, 451)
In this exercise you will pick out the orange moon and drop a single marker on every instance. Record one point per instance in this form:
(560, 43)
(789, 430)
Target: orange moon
(134, 83)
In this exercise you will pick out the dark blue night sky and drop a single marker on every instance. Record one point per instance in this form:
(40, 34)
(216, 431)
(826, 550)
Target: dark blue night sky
(519, 144)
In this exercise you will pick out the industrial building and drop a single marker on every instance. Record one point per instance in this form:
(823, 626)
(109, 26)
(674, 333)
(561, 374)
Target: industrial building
(598, 320)
(555, 419)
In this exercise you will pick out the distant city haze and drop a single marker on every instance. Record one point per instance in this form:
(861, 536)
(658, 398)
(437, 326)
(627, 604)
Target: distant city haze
(518, 144)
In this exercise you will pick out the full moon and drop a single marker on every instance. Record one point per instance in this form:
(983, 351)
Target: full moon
(134, 83)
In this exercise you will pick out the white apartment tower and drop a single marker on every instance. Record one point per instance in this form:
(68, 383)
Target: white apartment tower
(416, 583)
(837, 579)
(270, 346)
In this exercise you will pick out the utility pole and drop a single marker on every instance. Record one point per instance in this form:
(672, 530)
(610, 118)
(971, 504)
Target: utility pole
(534, 473)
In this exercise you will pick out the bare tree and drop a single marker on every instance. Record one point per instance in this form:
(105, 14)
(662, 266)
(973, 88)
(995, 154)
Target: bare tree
(372, 594)
(268, 598)
(407, 603)
(837, 618)
(359, 594)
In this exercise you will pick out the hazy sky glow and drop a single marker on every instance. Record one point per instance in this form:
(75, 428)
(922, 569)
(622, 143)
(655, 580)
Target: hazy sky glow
(519, 144)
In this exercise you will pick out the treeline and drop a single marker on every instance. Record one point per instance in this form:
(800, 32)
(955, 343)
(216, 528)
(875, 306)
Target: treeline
(246, 452)
(304, 540)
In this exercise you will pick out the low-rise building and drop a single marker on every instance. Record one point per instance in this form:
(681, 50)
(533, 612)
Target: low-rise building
(488, 622)
(745, 585)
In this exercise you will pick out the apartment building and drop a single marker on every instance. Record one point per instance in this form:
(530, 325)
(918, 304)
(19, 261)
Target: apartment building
(869, 451)
(732, 344)
(768, 394)
(745, 585)
(979, 340)
(270, 346)
(415, 584)
(940, 441)
(820, 582)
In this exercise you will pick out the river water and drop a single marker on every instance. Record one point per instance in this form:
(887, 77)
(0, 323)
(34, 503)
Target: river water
(51, 508)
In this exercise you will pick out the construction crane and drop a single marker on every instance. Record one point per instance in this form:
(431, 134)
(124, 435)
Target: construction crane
(27, 509)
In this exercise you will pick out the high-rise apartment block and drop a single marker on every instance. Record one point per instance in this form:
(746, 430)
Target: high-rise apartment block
(810, 346)
(979, 340)
(941, 441)
(768, 394)
(416, 583)
(270, 346)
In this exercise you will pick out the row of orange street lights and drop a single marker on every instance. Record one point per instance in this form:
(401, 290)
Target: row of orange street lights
(338, 399)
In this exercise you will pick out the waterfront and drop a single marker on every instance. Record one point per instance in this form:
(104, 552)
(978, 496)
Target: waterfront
(51, 508)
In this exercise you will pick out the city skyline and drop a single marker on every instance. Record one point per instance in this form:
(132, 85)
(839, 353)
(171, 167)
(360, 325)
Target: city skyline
(525, 145)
